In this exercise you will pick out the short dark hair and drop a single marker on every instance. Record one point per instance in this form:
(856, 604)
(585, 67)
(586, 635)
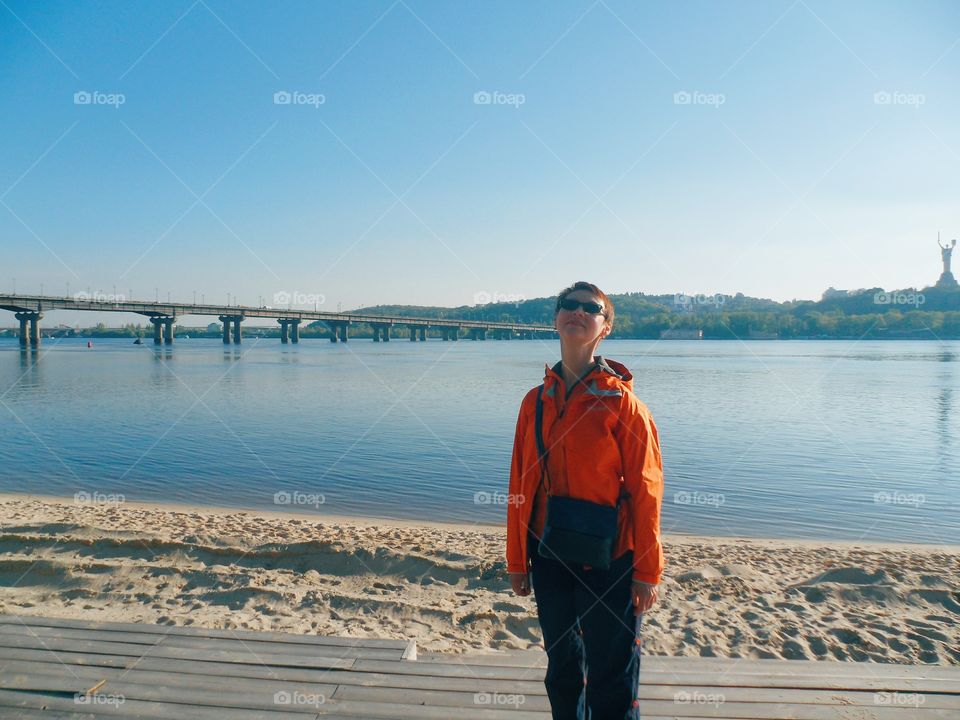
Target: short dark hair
(583, 285)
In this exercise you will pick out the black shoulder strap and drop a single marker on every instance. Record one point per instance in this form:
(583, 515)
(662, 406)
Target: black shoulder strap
(541, 448)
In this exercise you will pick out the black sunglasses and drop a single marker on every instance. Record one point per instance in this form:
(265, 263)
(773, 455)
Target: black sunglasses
(589, 307)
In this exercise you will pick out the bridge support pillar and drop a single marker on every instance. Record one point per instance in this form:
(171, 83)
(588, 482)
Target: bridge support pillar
(29, 327)
(168, 330)
(423, 334)
(284, 330)
(413, 333)
(338, 331)
(294, 330)
(157, 330)
(231, 323)
(381, 331)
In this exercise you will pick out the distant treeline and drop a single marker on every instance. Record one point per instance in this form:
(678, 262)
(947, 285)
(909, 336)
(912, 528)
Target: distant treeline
(871, 313)
(875, 313)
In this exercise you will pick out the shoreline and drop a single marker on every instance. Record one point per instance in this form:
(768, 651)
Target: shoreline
(445, 584)
(221, 510)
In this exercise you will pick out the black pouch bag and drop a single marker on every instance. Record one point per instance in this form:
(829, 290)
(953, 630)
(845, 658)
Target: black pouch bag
(576, 531)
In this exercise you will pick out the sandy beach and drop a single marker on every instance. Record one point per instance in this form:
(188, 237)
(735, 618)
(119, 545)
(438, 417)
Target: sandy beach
(446, 585)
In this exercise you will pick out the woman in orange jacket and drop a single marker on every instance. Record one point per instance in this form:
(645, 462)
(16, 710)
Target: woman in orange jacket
(599, 444)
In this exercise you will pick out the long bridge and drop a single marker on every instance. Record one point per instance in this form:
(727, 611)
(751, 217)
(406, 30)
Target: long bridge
(29, 310)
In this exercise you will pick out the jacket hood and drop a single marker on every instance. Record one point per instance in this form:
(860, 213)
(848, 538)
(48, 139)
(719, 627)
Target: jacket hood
(606, 373)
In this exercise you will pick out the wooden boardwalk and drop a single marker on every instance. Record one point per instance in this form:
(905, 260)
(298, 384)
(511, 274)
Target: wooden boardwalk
(57, 668)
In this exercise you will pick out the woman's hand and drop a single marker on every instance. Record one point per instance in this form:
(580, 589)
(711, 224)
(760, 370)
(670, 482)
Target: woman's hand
(520, 582)
(644, 596)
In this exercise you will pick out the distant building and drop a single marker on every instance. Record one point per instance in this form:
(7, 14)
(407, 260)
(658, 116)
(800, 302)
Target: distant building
(681, 334)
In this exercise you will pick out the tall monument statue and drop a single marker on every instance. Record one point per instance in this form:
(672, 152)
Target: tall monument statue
(947, 280)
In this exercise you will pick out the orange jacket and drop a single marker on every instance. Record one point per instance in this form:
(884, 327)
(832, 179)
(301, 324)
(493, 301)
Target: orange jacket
(598, 436)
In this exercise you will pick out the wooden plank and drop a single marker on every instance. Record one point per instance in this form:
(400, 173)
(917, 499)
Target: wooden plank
(66, 657)
(663, 663)
(492, 672)
(117, 663)
(223, 695)
(333, 709)
(184, 674)
(721, 707)
(33, 677)
(10, 713)
(195, 630)
(237, 644)
(136, 709)
(160, 650)
(534, 698)
(468, 678)
(805, 667)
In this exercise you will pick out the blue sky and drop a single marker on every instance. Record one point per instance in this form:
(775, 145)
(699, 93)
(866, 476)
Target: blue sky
(772, 148)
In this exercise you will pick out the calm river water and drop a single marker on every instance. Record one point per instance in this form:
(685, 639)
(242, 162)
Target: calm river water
(811, 439)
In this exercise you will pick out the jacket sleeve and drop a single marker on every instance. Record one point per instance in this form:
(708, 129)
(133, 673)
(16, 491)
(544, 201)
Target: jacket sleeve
(643, 478)
(516, 527)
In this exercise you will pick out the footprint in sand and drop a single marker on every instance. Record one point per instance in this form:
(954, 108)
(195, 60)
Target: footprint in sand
(816, 644)
(792, 650)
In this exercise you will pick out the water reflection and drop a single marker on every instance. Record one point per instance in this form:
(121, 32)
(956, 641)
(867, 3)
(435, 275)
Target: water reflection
(947, 382)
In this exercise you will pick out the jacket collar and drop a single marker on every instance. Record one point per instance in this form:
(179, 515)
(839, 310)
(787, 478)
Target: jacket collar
(599, 363)
(601, 370)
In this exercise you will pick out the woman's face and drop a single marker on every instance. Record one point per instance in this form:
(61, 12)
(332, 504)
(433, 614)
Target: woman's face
(579, 326)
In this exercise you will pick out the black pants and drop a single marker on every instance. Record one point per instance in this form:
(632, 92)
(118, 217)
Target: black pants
(591, 636)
